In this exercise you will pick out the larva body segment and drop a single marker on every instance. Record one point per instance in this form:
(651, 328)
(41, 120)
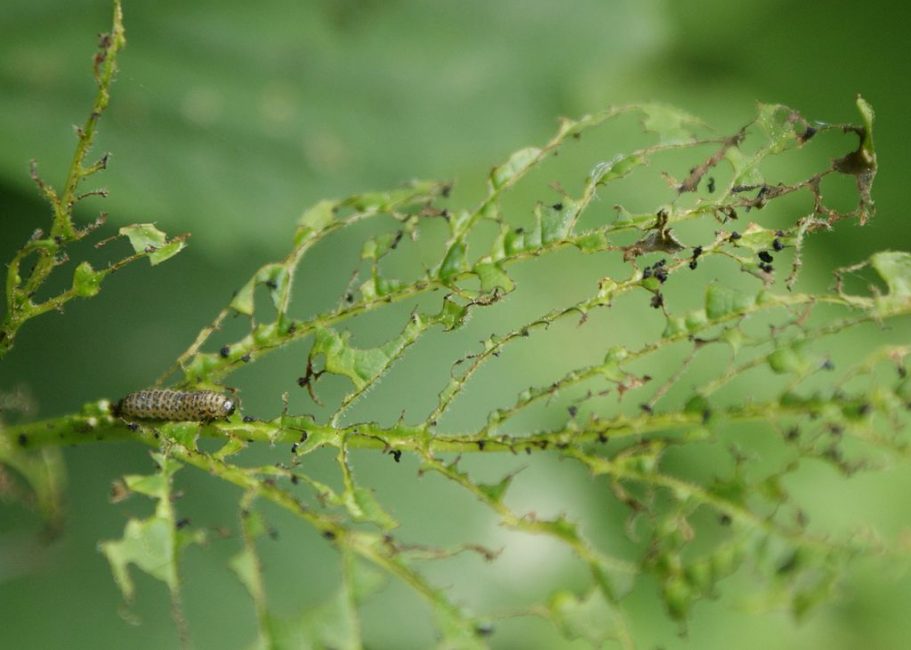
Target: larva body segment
(176, 405)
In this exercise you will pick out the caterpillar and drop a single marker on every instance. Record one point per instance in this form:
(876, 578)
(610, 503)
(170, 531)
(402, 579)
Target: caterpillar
(177, 405)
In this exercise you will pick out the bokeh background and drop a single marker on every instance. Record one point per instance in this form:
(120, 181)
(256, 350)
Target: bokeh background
(229, 118)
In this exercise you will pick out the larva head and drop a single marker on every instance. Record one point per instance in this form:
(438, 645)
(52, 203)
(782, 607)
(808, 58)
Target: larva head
(228, 407)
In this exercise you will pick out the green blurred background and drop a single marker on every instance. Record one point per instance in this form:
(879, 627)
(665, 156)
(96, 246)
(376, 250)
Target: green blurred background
(229, 118)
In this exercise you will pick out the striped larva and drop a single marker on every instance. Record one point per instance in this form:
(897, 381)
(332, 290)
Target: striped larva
(177, 405)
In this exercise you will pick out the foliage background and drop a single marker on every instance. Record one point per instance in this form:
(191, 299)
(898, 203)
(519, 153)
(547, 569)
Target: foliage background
(229, 118)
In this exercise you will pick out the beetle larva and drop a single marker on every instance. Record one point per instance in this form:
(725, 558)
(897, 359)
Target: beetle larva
(177, 405)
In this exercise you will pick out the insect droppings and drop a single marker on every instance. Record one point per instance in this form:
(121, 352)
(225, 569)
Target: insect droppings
(176, 405)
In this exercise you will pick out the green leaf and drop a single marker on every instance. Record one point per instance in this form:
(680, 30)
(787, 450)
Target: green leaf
(414, 193)
(152, 544)
(590, 618)
(695, 320)
(698, 405)
(861, 163)
(745, 168)
(363, 366)
(246, 567)
(867, 116)
(275, 277)
(184, 433)
(315, 220)
(562, 528)
(492, 276)
(202, 364)
(894, 267)
(514, 241)
(610, 368)
(756, 238)
(514, 168)
(726, 559)
(780, 125)
(456, 630)
(617, 167)
(153, 485)
(672, 125)
(733, 489)
(147, 543)
(363, 506)
(87, 281)
(243, 303)
(678, 596)
(343, 359)
(315, 438)
(495, 491)
(232, 446)
(555, 221)
(333, 624)
(378, 286)
(787, 359)
(43, 470)
(700, 574)
(733, 337)
(145, 237)
(808, 597)
(375, 247)
(452, 315)
(455, 261)
(721, 301)
(592, 242)
(254, 524)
